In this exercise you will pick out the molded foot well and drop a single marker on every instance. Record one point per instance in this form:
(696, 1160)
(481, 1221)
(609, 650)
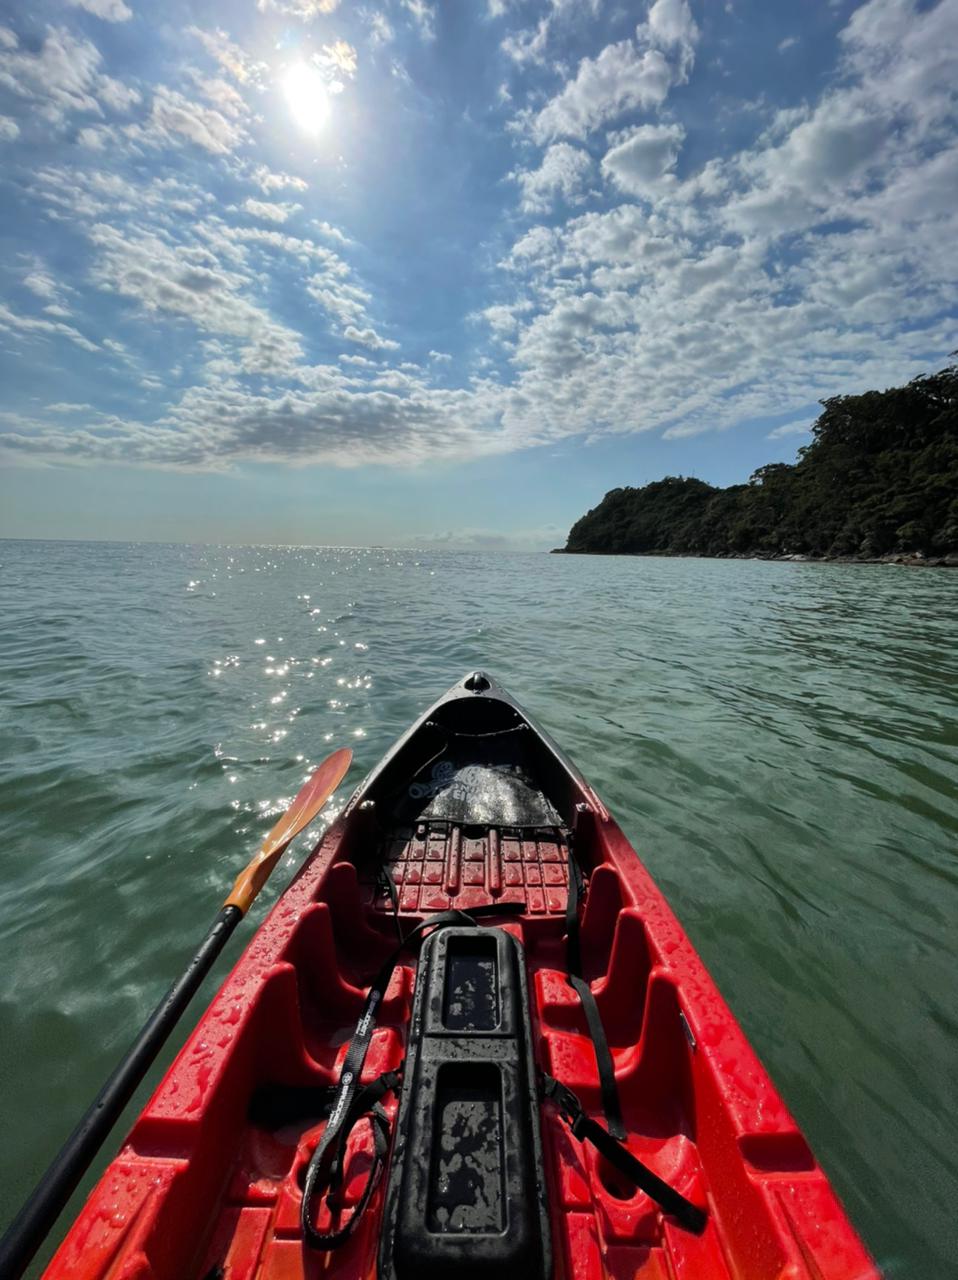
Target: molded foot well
(357, 942)
(325, 993)
(603, 903)
(621, 994)
(202, 1104)
(657, 1074)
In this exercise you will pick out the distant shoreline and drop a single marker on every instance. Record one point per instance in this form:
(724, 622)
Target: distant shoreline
(878, 484)
(902, 559)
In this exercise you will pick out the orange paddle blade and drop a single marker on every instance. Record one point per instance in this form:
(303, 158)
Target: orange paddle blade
(317, 790)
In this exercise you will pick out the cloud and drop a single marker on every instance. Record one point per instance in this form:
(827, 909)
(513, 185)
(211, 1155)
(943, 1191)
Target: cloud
(671, 23)
(542, 539)
(424, 16)
(642, 157)
(369, 338)
(818, 257)
(380, 28)
(830, 161)
(173, 115)
(228, 54)
(790, 429)
(305, 10)
(271, 211)
(33, 326)
(788, 43)
(42, 284)
(564, 172)
(268, 182)
(108, 10)
(528, 46)
(329, 232)
(620, 79)
(344, 301)
(9, 129)
(627, 76)
(340, 56)
(183, 282)
(59, 79)
(327, 419)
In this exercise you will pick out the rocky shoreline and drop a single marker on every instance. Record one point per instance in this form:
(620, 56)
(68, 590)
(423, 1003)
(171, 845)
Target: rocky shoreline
(906, 559)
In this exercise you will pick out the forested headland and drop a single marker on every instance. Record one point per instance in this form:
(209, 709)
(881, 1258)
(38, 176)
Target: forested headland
(879, 480)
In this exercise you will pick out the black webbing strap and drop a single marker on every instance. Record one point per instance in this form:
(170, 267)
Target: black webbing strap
(600, 1043)
(324, 1172)
(327, 1160)
(388, 880)
(585, 1129)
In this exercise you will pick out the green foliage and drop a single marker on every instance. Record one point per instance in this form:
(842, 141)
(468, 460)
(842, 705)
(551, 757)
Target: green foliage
(880, 476)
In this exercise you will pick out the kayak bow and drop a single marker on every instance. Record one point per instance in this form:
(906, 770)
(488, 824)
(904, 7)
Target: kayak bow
(471, 1035)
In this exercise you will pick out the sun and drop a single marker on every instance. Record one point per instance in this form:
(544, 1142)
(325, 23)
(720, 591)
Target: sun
(306, 96)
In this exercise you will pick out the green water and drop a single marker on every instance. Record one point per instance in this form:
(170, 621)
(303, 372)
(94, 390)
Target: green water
(779, 741)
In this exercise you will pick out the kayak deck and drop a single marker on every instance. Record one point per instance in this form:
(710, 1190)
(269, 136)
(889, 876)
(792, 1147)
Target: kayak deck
(208, 1183)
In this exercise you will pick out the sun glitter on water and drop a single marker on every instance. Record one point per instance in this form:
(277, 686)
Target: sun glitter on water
(306, 96)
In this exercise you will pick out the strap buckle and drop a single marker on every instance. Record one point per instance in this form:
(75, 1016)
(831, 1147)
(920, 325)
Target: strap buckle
(566, 1102)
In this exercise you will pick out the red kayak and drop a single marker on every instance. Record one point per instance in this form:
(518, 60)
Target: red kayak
(471, 1036)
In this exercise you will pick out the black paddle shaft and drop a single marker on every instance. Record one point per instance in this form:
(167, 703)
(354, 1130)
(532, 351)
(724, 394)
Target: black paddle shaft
(28, 1230)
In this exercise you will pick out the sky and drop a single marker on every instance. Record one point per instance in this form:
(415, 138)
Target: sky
(442, 273)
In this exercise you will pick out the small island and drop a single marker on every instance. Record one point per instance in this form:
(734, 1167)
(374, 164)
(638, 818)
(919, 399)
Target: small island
(879, 482)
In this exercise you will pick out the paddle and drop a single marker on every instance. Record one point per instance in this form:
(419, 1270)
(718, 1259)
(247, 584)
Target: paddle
(28, 1229)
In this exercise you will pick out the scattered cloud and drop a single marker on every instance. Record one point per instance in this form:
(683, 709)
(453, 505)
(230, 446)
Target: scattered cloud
(42, 284)
(108, 10)
(270, 211)
(58, 79)
(564, 173)
(380, 29)
(788, 43)
(369, 338)
(627, 76)
(173, 115)
(641, 158)
(305, 10)
(423, 15)
(542, 539)
(638, 269)
(528, 46)
(268, 182)
(340, 56)
(790, 429)
(620, 79)
(230, 56)
(34, 326)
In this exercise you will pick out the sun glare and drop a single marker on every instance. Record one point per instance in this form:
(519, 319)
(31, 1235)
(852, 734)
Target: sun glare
(306, 96)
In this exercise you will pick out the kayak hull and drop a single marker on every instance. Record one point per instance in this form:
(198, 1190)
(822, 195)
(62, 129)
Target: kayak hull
(474, 807)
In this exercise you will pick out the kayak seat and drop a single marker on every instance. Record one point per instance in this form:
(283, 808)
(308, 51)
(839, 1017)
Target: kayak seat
(436, 865)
